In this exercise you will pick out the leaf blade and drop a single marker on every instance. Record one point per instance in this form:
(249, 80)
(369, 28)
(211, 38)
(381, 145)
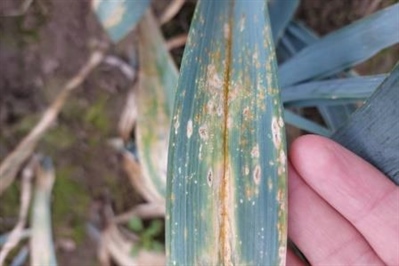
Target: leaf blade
(281, 13)
(344, 88)
(42, 248)
(377, 117)
(157, 81)
(119, 17)
(227, 148)
(343, 48)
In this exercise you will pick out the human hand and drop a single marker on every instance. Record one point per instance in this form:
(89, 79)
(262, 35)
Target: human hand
(342, 211)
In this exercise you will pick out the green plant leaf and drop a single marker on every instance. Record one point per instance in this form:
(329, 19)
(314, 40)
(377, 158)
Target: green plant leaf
(372, 131)
(343, 48)
(336, 115)
(158, 246)
(157, 85)
(119, 17)
(155, 228)
(300, 35)
(305, 124)
(297, 37)
(281, 13)
(135, 224)
(226, 201)
(319, 92)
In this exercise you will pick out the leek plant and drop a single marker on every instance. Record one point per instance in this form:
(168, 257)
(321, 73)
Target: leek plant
(247, 65)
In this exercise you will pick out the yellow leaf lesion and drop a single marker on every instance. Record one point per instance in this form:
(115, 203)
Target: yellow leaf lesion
(116, 16)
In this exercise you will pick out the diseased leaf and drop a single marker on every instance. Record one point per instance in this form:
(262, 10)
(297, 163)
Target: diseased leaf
(143, 185)
(226, 200)
(373, 131)
(157, 85)
(119, 17)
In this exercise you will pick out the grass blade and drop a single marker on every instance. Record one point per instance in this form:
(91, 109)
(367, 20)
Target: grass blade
(372, 132)
(119, 17)
(226, 200)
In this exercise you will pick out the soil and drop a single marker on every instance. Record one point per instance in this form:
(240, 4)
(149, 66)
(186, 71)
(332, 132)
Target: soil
(45, 47)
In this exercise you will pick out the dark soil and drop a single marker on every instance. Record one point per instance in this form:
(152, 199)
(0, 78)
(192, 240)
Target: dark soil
(42, 49)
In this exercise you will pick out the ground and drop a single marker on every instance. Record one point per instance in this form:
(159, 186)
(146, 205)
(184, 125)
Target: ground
(41, 50)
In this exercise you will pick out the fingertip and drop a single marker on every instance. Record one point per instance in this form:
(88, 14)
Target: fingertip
(311, 153)
(305, 142)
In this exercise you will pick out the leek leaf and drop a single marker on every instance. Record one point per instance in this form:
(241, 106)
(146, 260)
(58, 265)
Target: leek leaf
(226, 190)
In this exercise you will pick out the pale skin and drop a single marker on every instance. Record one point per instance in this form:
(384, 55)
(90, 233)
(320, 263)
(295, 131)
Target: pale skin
(342, 211)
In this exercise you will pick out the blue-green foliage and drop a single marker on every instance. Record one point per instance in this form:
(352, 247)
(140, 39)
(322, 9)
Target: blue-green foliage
(304, 58)
(331, 91)
(281, 13)
(344, 48)
(119, 17)
(373, 131)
